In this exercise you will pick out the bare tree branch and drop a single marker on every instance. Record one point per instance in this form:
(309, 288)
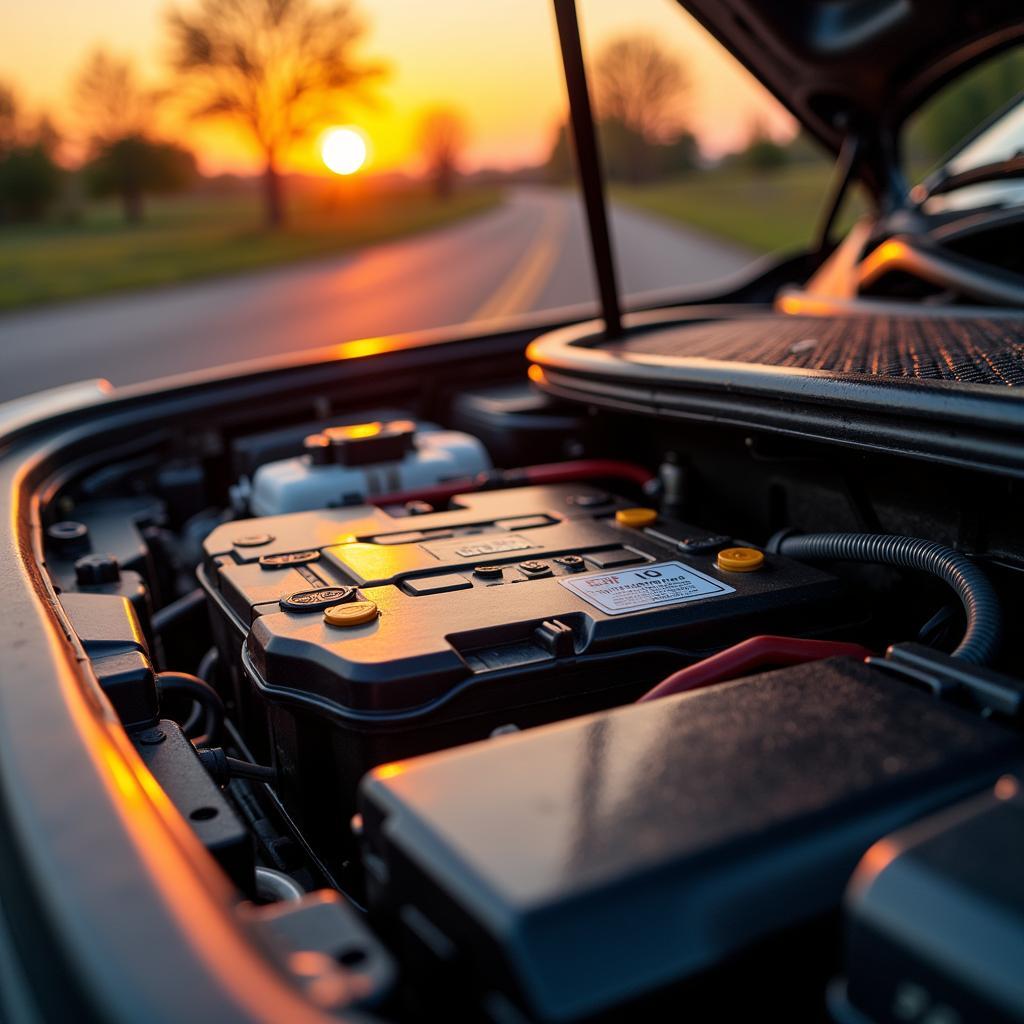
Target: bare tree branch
(110, 101)
(442, 135)
(642, 86)
(280, 68)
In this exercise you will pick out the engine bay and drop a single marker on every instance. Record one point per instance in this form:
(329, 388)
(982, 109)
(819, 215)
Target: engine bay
(651, 658)
(543, 711)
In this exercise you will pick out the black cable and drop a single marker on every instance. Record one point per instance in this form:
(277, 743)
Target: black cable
(187, 685)
(194, 720)
(206, 670)
(933, 628)
(208, 664)
(248, 770)
(222, 767)
(984, 616)
(170, 613)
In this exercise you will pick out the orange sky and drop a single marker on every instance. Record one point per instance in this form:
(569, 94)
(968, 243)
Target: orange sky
(496, 60)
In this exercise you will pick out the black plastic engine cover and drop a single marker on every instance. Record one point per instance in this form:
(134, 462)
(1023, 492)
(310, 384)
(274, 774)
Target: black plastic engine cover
(580, 865)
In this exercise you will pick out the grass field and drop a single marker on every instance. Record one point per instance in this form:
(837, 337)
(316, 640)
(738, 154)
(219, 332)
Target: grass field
(203, 235)
(768, 212)
(199, 236)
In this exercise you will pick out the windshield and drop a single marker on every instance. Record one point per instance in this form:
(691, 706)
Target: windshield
(167, 206)
(943, 138)
(1000, 141)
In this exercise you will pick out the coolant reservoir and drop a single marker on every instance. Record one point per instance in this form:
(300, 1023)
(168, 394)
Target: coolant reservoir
(353, 464)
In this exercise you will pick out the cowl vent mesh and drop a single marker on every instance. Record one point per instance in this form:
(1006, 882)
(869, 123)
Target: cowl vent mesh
(971, 351)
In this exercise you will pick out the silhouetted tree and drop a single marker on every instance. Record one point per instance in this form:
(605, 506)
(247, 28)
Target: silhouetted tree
(442, 137)
(277, 67)
(680, 156)
(134, 166)
(559, 167)
(109, 100)
(116, 113)
(47, 135)
(626, 156)
(639, 91)
(762, 153)
(9, 124)
(30, 179)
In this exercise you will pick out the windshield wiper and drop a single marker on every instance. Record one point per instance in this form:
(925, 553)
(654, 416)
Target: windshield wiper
(999, 170)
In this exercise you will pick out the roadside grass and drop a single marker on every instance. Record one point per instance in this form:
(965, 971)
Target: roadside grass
(197, 236)
(767, 212)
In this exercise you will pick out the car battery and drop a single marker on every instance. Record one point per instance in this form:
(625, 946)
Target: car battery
(356, 637)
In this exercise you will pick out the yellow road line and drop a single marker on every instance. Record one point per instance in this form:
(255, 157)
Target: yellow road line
(524, 283)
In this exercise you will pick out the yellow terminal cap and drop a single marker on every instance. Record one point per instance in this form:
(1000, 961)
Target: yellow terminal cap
(636, 518)
(740, 559)
(355, 613)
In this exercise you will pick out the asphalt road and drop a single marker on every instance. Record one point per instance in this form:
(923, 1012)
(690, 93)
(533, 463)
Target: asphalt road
(529, 254)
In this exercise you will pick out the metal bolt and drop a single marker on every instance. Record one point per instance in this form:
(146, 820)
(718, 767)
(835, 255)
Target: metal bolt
(252, 540)
(69, 537)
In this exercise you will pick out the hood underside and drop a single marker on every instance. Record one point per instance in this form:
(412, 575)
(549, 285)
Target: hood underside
(860, 66)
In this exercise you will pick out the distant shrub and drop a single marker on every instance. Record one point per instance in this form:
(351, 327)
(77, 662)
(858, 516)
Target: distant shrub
(134, 166)
(30, 182)
(627, 155)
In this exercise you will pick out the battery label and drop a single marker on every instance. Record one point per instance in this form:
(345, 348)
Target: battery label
(647, 586)
(474, 547)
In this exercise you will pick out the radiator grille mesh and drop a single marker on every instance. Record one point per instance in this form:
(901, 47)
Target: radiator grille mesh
(971, 351)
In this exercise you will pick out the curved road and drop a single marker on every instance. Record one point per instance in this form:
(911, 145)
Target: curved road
(530, 253)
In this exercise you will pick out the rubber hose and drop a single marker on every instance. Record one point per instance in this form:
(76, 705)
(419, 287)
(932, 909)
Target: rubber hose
(277, 887)
(981, 639)
(208, 665)
(172, 613)
(188, 685)
(206, 670)
(247, 770)
(194, 720)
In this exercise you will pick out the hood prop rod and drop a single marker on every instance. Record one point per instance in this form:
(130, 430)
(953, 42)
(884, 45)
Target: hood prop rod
(588, 161)
(842, 178)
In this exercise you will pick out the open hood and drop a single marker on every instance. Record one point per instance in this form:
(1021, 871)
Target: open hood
(860, 66)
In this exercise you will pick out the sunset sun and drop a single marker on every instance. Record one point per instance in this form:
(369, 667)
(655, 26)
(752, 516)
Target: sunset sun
(343, 150)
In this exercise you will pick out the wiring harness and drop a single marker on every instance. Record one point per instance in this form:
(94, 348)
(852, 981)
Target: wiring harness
(981, 639)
